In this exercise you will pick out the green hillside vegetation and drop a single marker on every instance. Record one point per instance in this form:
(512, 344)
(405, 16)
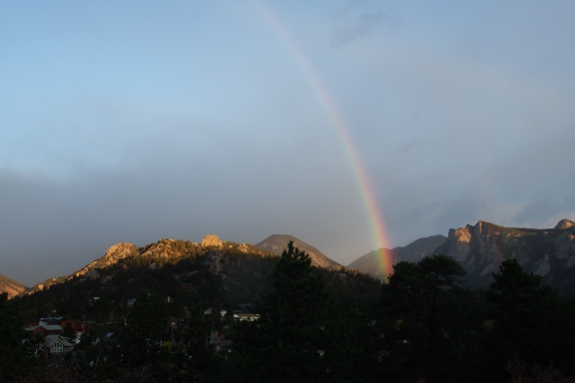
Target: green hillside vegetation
(315, 324)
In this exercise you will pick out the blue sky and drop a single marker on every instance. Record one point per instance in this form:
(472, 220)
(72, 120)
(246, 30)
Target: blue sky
(136, 121)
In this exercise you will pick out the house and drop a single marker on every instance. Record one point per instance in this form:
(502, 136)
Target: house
(243, 317)
(57, 344)
(222, 312)
(219, 342)
(50, 320)
(46, 329)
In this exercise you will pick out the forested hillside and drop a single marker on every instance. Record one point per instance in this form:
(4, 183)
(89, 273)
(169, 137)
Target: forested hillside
(158, 317)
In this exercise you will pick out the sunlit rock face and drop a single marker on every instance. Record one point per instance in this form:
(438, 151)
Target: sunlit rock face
(114, 255)
(461, 240)
(11, 287)
(475, 248)
(564, 224)
(119, 251)
(212, 240)
(481, 248)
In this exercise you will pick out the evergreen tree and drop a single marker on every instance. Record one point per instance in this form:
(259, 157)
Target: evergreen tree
(16, 349)
(142, 340)
(289, 343)
(530, 322)
(422, 318)
(68, 331)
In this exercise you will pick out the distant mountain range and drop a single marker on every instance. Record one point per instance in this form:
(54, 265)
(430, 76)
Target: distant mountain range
(413, 252)
(481, 248)
(11, 287)
(277, 243)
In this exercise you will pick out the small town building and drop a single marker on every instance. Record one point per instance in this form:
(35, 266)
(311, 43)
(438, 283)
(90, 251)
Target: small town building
(57, 344)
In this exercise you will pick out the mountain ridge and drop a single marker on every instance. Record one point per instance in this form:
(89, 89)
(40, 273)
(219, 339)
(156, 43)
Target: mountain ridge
(11, 287)
(549, 253)
(171, 249)
(480, 249)
(166, 248)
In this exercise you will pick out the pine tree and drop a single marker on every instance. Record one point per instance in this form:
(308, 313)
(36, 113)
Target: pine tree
(289, 342)
(531, 321)
(16, 350)
(419, 300)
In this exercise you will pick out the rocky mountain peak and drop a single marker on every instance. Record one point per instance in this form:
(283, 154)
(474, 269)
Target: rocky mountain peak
(564, 224)
(212, 240)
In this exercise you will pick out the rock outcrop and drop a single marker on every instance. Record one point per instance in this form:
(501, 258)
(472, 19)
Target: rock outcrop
(564, 224)
(212, 240)
(11, 287)
(114, 255)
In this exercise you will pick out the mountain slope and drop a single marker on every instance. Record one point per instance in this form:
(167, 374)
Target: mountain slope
(413, 252)
(277, 243)
(213, 272)
(549, 253)
(165, 250)
(215, 250)
(11, 287)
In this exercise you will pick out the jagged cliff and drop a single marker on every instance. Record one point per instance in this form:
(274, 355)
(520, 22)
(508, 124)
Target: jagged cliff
(481, 248)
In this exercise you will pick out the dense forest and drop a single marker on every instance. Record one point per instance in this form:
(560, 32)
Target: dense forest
(159, 319)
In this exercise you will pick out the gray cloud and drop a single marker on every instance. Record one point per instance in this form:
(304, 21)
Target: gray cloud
(224, 134)
(351, 24)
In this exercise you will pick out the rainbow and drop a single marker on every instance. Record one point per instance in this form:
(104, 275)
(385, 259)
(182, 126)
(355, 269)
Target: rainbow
(385, 263)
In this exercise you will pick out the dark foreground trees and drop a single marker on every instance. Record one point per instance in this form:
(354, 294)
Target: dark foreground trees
(16, 349)
(424, 327)
(531, 324)
(289, 342)
(422, 316)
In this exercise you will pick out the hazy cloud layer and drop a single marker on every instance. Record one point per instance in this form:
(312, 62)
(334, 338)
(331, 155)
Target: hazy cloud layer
(125, 123)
